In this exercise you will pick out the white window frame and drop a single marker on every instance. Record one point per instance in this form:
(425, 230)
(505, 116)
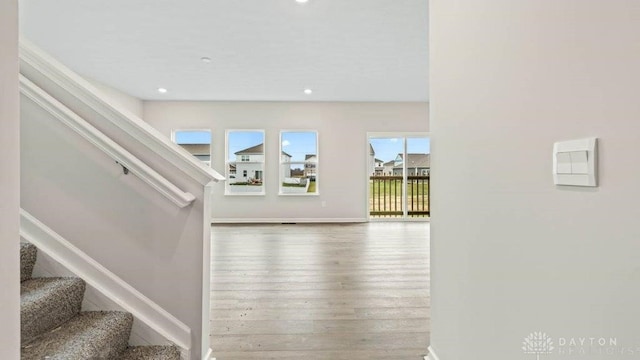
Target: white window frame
(227, 163)
(303, 163)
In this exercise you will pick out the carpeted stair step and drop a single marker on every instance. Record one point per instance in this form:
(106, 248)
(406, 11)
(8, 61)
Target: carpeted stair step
(151, 352)
(89, 335)
(46, 303)
(28, 253)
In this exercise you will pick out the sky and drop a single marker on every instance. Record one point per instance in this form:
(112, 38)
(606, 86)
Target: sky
(192, 137)
(388, 149)
(296, 144)
(299, 144)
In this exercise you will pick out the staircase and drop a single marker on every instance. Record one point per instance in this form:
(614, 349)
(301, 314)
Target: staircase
(53, 327)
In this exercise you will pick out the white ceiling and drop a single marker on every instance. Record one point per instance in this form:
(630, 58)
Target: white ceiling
(344, 50)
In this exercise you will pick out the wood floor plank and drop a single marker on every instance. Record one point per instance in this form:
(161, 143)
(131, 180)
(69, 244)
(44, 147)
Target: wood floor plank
(314, 342)
(318, 285)
(269, 278)
(320, 291)
(315, 294)
(332, 313)
(315, 326)
(415, 354)
(321, 303)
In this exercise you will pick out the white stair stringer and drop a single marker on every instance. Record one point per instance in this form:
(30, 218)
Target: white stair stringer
(108, 284)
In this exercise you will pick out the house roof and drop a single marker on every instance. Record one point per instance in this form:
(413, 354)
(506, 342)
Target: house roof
(416, 160)
(197, 149)
(258, 149)
(255, 150)
(309, 156)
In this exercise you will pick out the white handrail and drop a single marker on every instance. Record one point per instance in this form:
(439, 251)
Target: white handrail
(104, 143)
(108, 283)
(34, 59)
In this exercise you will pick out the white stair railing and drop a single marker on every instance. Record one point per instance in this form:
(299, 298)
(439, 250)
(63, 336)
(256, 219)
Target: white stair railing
(101, 141)
(34, 62)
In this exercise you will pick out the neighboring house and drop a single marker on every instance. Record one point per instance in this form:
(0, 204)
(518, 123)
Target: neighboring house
(286, 171)
(387, 168)
(201, 151)
(310, 163)
(232, 173)
(378, 168)
(249, 165)
(417, 164)
(372, 160)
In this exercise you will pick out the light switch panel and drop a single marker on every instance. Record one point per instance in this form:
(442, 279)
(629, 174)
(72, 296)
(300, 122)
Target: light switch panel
(575, 162)
(563, 163)
(579, 162)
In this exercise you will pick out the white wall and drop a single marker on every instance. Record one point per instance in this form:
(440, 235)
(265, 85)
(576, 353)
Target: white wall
(126, 101)
(9, 182)
(343, 150)
(512, 253)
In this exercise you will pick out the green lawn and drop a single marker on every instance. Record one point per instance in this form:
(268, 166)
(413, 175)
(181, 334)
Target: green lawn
(310, 190)
(312, 187)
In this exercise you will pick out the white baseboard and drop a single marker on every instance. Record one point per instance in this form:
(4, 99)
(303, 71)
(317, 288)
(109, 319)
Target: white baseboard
(286, 221)
(432, 355)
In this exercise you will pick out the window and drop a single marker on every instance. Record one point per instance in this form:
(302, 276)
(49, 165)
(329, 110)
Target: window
(298, 163)
(245, 162)
(196, 142)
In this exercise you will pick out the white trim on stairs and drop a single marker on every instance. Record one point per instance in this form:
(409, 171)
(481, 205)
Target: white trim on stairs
(94, 300)
(114, 288)
(208, 355)
(32, 58)
(206, 351)
(104, 143)
(432, 354)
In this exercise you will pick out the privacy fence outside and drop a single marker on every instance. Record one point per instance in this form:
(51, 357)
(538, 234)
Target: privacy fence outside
(386, 198)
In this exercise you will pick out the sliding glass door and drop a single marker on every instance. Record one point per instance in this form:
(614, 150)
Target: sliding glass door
(399, 166)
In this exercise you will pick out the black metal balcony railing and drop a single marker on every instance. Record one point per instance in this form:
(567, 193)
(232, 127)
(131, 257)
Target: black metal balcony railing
(385, 196)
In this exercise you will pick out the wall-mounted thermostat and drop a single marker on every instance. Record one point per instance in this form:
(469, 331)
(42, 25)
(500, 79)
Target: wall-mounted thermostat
(575, 162)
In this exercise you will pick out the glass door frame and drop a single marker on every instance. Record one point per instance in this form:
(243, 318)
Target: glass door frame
(394, 135)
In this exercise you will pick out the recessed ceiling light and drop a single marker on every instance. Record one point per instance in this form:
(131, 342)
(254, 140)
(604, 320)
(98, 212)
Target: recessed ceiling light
(162, 90)
(308, 91)
(301, 1)
(205, 59)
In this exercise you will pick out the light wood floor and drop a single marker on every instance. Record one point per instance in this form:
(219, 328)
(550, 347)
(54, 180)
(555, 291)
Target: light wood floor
(320, 292)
